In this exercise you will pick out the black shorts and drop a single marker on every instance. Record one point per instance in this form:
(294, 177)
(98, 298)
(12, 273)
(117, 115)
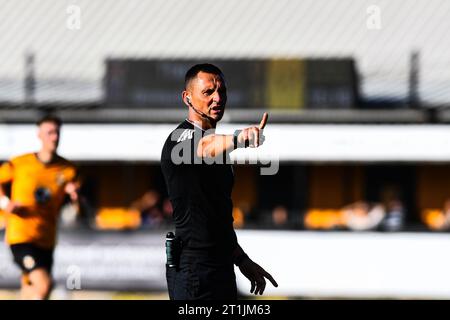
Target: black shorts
(196, 279)
(29, 257)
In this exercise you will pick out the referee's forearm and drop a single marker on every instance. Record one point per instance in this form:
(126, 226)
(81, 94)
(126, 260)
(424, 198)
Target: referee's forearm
(239, 255)
(213, 145)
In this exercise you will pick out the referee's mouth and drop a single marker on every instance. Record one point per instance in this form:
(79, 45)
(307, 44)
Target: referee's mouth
(217, 109)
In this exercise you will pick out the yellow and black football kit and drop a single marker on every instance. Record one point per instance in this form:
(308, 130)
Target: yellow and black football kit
(39, 188)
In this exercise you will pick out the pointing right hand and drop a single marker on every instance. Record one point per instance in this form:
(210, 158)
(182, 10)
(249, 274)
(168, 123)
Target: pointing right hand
(253, 136)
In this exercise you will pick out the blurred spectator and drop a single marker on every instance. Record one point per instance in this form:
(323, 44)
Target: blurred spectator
(83, 216)
(167, 211)
(238, 217)
(394, 218)
(280, 217)
(446, 211)
(361, 216)
(148, 206)
(241, 214)
(446, 215)
(395, 210)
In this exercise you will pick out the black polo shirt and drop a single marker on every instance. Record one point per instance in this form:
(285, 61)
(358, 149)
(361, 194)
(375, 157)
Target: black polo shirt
(200, 193)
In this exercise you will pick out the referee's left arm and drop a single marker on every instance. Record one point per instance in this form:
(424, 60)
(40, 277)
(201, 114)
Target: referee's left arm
(252, 271)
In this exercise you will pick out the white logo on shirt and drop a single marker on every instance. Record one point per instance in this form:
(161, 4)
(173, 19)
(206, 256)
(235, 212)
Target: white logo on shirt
(187, 134)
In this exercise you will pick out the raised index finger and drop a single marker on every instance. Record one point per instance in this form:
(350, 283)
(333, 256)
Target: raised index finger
(263, 121)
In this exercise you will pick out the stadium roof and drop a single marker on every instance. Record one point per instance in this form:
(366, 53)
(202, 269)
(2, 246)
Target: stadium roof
(70, 61)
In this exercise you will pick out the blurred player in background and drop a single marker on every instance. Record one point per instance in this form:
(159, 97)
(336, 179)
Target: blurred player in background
(39, 183)
(200, 192)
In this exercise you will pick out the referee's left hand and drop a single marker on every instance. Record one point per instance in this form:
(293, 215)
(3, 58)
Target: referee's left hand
(256, 274)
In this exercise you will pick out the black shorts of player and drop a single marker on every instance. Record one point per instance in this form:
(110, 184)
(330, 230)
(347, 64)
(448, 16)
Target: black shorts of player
(197, 278)
(30, 257)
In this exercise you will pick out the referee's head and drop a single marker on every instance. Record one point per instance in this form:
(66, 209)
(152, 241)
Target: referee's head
(205, 93)
(192, 73)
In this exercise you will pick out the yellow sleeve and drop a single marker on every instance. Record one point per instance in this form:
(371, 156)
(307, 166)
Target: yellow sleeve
(6, 172)
(72, 174)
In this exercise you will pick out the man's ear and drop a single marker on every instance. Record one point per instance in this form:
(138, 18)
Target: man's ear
(186, 99)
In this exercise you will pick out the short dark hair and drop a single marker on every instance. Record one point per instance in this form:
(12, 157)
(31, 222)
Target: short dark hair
(49, 118)
(202, 67)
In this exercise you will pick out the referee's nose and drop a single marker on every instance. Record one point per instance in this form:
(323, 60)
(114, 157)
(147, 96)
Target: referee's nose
(220, 98)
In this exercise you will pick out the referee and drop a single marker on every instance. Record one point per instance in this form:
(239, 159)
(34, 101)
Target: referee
(199, 177)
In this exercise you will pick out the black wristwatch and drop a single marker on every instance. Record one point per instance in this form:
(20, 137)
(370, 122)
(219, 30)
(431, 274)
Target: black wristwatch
(235, 138)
